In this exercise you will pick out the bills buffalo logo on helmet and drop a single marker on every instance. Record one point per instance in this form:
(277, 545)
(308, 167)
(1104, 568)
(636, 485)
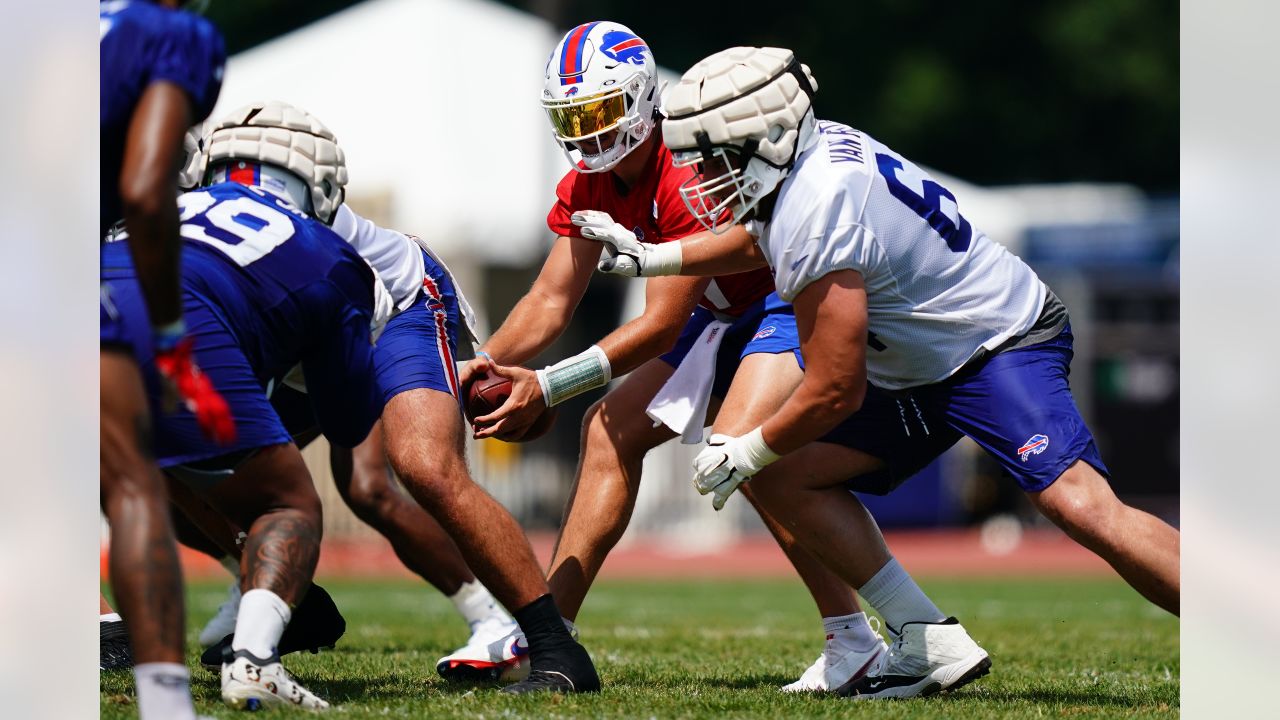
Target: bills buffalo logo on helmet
(623, 47)
(1034, 445)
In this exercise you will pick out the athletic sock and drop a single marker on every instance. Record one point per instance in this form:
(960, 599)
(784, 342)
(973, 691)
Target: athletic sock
(262, 619)
(109, 617)
(164, 691)
(852, 631)
(475, 604)
(543, 627)
(899, 600)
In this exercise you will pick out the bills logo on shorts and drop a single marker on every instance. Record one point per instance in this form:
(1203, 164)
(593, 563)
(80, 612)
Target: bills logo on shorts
(765, 332)
(1034, 445)
(623, 47)
(638, 232)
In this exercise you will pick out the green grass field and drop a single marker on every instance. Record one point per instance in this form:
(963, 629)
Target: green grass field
(1067, 648)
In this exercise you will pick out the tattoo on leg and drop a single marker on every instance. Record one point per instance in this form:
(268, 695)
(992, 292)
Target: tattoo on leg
(281, 553)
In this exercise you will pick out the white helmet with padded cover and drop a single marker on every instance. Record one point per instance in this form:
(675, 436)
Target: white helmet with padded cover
(278, 134)
(601, 94)
(742, 116)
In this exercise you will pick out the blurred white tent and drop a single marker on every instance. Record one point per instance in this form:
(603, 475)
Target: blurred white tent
(436, 104)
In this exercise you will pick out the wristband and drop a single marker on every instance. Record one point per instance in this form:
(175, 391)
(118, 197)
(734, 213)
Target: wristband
(663, 259)
(485, 355)
(756, 454)
(166, 337)
(575, 375)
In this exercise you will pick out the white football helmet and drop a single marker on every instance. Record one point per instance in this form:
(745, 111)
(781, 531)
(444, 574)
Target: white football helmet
(601, 94)
(742, 116)
(280, 135)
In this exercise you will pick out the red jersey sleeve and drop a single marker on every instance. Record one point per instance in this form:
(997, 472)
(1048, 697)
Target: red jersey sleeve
(571, 193)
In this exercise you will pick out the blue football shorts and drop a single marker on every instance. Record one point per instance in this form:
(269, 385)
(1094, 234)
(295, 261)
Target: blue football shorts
(178, 439)
(768, 326)
(1016, 405)
(418, 348)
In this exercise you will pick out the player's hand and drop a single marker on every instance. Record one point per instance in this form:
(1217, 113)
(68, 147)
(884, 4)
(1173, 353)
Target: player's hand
(178, 368)
(470, 370)
(525, 404)
(727, 462)
(623, 253)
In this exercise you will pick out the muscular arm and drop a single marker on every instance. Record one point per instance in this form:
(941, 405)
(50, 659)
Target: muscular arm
(544, 312)
(148, 188)
(831, 316)
(708, 254)
(667, 304)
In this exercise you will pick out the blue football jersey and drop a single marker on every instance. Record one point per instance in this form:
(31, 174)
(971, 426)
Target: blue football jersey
(143, 43)
(289, 290)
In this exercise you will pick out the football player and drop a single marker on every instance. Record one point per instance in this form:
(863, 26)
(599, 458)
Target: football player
(891, 284)
(414, 352)
(161, 70)
(719, 337)
(413, 383)
(266, 286)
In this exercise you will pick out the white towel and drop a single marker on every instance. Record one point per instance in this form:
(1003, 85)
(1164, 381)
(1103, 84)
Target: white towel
(681, 404)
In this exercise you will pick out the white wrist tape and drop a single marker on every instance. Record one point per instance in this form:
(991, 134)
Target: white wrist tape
(755, 454)
(575, 375)
(664, 259)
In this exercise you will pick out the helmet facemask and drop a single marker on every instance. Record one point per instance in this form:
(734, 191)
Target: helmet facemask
(728, 181)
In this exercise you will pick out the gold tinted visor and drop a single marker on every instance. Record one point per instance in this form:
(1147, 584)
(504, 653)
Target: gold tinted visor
(575, 119)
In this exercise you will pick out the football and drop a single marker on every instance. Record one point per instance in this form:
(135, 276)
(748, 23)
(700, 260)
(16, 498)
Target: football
(487, 393)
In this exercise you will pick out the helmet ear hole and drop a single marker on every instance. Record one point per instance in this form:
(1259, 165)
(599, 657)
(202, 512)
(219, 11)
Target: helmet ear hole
(775, 133)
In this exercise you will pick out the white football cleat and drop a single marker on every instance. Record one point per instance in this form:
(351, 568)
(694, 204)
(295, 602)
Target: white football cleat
(224, 623)
(496, 650)
(252, 683)
(925, 658)
(837, 666)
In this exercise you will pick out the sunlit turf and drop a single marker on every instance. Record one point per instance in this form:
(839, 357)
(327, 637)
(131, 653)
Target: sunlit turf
(1077, 648)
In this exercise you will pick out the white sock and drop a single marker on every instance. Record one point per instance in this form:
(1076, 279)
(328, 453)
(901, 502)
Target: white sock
(475, 604)
(851, 630)
(263, 616)
(109, 617)
(164, 691)
(897, 597)
(232, 565)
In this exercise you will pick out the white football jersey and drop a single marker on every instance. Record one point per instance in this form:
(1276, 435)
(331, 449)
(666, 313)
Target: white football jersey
(938, 290)
(397, 258)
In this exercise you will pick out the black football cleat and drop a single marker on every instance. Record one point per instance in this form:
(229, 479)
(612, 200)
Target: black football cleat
(114, 652)
(316, 624)
(566, 671)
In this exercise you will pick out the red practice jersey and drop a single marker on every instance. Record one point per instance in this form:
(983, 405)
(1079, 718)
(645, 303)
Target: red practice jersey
(653, 211)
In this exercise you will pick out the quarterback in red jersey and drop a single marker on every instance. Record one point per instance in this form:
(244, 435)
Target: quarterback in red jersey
(701, 345)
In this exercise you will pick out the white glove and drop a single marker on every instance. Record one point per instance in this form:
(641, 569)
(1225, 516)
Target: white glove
(727, 462)
(623, 253)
